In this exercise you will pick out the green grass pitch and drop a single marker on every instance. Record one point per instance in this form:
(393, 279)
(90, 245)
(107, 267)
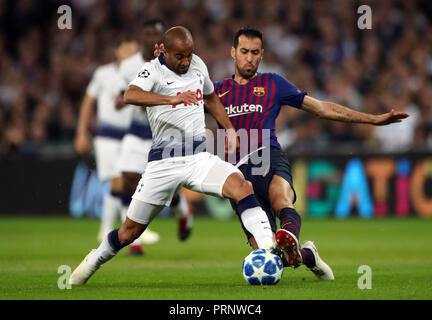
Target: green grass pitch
(208, 265)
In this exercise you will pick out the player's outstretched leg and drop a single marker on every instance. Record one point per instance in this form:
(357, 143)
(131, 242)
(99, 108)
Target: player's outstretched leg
(321, 269)
(183, 213)
(287, 237)
(138, 218)
(287, 240)
(110, 246)
(281, 198)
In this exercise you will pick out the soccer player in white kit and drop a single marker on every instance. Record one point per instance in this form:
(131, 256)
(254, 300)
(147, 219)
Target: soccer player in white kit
(174, 88)
(137, 141)
(112, 124)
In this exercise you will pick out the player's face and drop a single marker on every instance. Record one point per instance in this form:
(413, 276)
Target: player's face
(151, 35)
(247, 56)
(179, 56)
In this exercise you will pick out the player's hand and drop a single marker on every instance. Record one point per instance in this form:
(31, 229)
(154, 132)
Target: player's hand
(390, 117)
(159, 48)
(232, 144)
(119, 102)
(82, 144)
(187, 97)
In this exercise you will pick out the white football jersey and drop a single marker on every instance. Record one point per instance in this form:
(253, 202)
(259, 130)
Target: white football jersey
(105, 85)
(129, 68)
(174, 124)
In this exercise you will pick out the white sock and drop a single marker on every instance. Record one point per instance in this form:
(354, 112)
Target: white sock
(102, 254)
(256, 222)
(111, 210)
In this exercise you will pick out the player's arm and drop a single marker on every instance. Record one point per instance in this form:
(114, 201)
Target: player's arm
(217, 110)
(82, 140)
(137, 96)
(334, 111)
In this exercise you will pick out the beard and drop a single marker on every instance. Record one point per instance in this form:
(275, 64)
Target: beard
(247, 73)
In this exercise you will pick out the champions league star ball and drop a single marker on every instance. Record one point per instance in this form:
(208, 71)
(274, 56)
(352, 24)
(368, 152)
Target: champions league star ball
(261, 267)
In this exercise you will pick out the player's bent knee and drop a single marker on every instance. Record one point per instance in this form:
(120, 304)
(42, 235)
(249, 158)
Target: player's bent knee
(246, 187)
(236, 187)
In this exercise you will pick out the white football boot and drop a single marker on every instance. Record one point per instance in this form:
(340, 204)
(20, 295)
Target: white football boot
(83, 272)
(321, 269)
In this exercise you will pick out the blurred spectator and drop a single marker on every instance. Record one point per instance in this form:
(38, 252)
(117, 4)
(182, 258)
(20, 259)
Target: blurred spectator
(315, 44)
(400, 136)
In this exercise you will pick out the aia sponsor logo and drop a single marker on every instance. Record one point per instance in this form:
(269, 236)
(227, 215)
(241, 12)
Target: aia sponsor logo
(199, 96)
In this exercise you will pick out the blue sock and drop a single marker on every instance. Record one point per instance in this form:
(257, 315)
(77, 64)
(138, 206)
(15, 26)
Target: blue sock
(290, 220)
(114, 241)
(246, 203)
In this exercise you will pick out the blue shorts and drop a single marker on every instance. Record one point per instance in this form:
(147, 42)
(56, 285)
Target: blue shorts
(278, 165)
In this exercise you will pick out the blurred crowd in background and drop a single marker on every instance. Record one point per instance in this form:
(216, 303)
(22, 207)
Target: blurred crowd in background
(315, 44)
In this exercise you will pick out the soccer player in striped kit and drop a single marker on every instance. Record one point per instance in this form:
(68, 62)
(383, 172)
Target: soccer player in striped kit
(253, 101)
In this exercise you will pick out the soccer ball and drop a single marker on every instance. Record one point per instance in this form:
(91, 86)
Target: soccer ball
(261, 267)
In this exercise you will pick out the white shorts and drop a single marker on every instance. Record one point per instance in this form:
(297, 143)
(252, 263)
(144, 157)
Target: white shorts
(107, 156)
(134, 154)
(202, 172)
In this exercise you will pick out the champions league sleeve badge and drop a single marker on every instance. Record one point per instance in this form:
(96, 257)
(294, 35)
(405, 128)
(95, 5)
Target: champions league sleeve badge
(144, 74)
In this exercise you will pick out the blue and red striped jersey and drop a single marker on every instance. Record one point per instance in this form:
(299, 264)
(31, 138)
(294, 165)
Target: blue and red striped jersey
(254, 107)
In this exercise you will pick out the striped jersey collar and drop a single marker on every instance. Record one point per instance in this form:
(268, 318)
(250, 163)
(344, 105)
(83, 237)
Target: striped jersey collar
(251, 80)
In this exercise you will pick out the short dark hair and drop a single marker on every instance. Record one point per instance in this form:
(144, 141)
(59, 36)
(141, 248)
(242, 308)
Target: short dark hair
(248, 32)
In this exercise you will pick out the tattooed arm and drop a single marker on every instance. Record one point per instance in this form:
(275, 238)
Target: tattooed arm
(333, 111)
